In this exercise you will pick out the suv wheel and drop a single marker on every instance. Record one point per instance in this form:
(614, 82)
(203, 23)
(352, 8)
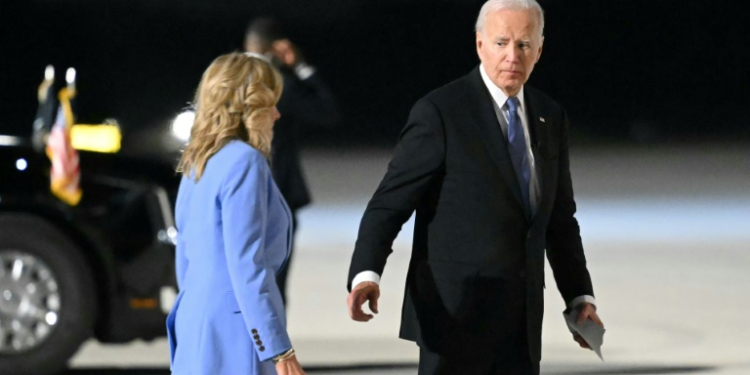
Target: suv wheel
(47, 296)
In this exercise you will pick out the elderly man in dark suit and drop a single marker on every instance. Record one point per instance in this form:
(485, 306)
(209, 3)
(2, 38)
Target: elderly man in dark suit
(484, 162)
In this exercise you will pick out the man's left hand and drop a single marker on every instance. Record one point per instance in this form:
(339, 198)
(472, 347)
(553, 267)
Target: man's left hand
(586, 311)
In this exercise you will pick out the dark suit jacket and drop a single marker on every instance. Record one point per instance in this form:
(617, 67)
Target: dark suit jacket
(476, 276)
(303, 103)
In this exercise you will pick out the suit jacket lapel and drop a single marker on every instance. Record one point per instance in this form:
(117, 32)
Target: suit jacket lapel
(489, 130)
(539, 133)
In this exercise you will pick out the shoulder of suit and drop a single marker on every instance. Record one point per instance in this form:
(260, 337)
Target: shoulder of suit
(450, 89)
(540, 97)
(237, 153)
(236, 146)
(453, 95)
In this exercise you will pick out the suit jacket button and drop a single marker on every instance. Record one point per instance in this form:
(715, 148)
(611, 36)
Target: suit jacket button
(262, 348)
(254, 331)
(259, 343)
(256, 337)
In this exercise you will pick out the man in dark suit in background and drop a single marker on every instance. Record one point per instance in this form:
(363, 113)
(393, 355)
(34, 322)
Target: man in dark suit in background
(484, 162)
(306, 101)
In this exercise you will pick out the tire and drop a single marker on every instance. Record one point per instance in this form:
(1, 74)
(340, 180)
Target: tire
(36, 243)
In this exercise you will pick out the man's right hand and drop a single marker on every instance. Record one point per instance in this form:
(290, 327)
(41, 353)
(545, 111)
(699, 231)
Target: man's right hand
(364, 291)
(286, 52)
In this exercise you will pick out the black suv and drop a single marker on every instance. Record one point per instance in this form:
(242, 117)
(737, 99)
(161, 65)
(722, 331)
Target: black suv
(102, 269)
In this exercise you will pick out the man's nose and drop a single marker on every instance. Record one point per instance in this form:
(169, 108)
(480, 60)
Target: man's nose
(511, 55)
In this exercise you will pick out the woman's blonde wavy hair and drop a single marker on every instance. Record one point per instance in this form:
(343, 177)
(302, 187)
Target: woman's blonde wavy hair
(235, 100)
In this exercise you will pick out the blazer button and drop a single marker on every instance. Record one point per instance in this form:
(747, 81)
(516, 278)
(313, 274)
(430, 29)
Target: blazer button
(256, 337)
(259, 343)
(522, 274)
(262, 348)
(254, 331)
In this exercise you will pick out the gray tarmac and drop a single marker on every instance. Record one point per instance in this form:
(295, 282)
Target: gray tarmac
(667, 237)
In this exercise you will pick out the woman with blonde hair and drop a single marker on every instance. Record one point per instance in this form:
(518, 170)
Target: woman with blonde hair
(234, 229)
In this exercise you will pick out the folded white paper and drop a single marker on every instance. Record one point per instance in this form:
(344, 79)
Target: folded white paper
(592, 333)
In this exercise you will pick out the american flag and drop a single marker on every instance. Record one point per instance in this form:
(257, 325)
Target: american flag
(65, 174)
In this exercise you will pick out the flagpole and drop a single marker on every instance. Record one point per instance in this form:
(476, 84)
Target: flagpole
(46, 109)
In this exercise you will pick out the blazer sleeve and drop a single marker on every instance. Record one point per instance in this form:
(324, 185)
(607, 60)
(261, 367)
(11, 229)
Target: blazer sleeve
(417, 160)
(564, 246)
(244, 214)
(309, 100)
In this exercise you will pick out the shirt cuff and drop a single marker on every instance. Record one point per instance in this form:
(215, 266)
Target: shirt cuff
(580, 299)
(304, 71)
(366, 276)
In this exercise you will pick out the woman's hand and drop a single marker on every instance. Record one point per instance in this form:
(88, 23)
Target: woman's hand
(289, 367)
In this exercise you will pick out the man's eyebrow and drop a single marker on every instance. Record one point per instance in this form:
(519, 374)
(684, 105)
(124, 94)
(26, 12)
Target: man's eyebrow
(507, 39)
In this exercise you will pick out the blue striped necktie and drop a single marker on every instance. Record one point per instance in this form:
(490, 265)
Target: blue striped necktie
(518, 153)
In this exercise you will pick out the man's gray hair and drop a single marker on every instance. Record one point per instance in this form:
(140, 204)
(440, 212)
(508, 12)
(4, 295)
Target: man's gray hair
(492, 6)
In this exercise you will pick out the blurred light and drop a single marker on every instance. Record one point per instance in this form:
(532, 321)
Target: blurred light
(168, 236)
(8, 140)
(21, 164)
(51, 318)
(70, 75)
(172, 233)
(17, 269)
(104, 138)
(182, 125)
(167, 297)
(49, 73)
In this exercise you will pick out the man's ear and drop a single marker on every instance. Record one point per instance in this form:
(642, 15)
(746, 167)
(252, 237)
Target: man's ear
(479, 41)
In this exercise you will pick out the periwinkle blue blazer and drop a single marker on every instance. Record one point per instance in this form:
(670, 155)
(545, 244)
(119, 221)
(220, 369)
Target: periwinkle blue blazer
(234, 234)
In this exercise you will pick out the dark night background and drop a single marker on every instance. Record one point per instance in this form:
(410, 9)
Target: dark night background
(629, 71)
(657, 91)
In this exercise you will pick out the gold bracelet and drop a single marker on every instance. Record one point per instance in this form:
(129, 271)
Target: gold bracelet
(283, 357)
